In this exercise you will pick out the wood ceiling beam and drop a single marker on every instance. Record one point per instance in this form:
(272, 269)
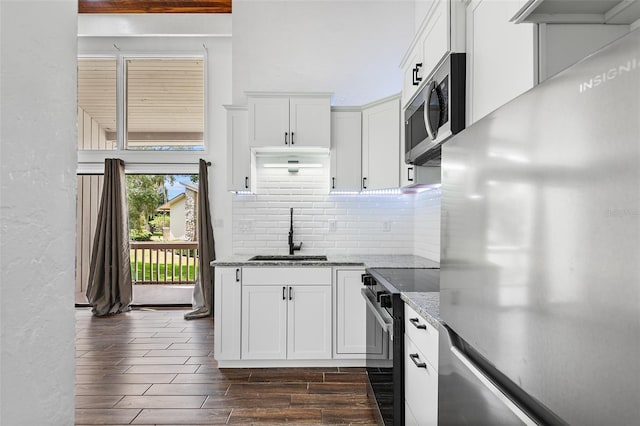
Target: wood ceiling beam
(154, 6)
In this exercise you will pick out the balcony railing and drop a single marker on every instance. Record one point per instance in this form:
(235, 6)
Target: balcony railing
(158, 262)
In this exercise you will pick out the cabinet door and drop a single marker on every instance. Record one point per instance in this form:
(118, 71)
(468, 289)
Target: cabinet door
(410, 75)
(436, 37)
(264, 322)
(381, 146)
(346, 150)
(227, 289)
(310, 122)
(501, 57)
(309, 322)
(351, 318)
(268, 121)
(238, 152)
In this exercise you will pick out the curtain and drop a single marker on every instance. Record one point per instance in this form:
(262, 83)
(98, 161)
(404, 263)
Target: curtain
(203, 288)
(109, 289)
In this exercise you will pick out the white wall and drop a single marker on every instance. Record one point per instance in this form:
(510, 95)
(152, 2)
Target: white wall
(261, 222)
(38, 189)
(349, 47)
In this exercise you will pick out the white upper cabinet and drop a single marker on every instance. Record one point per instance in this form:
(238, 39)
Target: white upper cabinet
(381, 145)
(238, 152)
(501, 57)
(289, 120)
(442, 31)
(346, 150)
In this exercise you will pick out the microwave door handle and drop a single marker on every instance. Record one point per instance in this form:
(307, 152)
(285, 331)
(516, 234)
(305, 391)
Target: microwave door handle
(427, 123)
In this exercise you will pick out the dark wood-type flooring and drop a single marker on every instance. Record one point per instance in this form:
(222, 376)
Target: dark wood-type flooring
(151, 367)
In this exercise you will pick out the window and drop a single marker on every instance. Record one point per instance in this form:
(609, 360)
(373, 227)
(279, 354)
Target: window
(160, 100)
(97, 104)
(165, 104)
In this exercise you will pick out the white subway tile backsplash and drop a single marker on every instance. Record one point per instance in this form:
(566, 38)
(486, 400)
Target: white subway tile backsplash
(261, 221)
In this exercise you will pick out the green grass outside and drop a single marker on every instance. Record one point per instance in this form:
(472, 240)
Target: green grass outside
(180, 273)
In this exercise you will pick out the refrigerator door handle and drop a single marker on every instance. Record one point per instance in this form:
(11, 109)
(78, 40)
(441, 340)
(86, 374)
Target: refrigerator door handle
(493, 388)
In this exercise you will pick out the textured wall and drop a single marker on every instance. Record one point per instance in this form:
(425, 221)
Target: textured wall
(38, 190)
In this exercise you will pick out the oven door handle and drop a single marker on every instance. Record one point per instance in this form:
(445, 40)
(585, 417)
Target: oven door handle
(386, 325)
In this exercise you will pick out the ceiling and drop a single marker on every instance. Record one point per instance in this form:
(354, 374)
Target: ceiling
(154, 6)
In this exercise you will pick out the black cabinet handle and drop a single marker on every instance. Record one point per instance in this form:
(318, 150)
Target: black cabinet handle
(292, 142)
(415, 357)
(238, 275)
(286, 138)
(284, 293)
(364, 183)
(416, 323)
(409, 170)
(416, 79)
(385, 301)
(290, 296)
(246, 182)
(367, 279)
(333, 183)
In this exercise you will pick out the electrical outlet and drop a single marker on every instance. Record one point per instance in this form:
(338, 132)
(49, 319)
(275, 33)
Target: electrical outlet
(386, 226)
(332, 226)
(245, 225)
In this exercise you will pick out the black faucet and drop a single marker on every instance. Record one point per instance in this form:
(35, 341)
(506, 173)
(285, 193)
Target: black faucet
(292, 247)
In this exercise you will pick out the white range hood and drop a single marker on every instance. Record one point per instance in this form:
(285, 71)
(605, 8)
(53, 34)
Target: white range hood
(579, 11)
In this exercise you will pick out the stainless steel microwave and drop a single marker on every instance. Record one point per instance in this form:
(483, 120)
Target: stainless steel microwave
(436, 113)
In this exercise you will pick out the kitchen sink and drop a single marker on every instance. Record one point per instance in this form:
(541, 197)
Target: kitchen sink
(287, 258)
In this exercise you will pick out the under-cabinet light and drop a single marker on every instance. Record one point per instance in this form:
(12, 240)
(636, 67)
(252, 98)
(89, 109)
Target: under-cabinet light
(292, 165)
(391, 191)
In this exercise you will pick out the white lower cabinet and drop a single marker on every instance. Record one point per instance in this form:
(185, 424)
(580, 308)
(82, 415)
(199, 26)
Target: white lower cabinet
(352, 338)
(226, 308)
(264, 322)
(309, 322)
(286, 313)
(420, 370)
(298, 316)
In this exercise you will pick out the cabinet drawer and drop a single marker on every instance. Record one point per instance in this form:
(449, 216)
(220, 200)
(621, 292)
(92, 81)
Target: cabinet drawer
(421, 385)
(423, 334)
(286, 276)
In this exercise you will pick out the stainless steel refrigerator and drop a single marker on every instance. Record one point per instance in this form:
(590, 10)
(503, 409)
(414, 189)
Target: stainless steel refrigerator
(540, 262)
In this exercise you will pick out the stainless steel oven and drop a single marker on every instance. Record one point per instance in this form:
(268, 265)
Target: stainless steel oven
(382, 292)
(385, 374)
(436, 113)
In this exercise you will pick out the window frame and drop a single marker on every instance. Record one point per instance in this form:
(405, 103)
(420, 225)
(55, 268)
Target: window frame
(145, 161)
